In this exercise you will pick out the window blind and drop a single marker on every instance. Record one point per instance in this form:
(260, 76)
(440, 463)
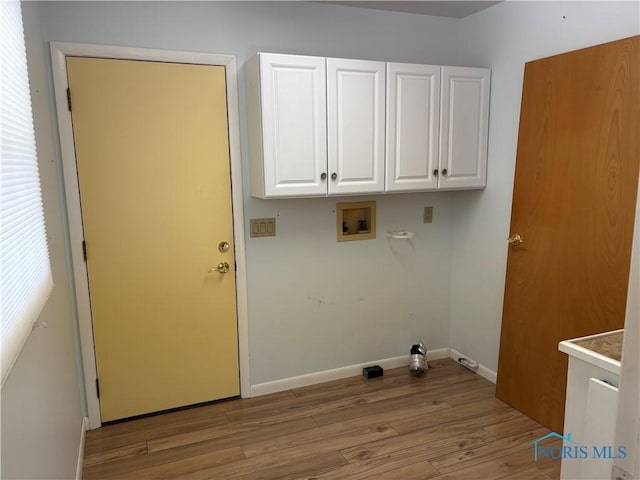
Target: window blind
(25, 275)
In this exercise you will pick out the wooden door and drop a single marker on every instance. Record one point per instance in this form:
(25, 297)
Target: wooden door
(152, 156)
(573, 204)
(413, 126)
(464, 127)
(294, 126)
(355, 125)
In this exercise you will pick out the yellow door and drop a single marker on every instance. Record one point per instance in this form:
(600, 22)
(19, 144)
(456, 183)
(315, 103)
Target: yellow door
(152, 155)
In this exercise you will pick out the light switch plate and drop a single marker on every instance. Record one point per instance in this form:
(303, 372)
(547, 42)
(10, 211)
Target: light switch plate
(427, 215)
(262, 227)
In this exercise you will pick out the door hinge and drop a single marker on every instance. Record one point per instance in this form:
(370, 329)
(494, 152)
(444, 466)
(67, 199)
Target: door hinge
(69, 98)
(98, 387)
(84, 250)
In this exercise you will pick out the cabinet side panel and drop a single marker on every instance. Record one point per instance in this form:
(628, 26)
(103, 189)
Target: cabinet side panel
(254, 121)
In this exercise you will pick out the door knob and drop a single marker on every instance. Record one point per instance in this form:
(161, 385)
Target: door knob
(223, 267)
(334, 175)
(515, 240)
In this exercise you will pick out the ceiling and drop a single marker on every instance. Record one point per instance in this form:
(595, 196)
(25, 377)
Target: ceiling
(453, 9)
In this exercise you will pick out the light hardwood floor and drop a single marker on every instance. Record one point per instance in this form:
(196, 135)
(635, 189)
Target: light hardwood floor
(445, 424)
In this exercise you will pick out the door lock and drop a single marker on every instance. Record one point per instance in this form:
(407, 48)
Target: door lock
(224, 247)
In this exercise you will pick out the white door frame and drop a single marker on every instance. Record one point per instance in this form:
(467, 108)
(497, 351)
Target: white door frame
(59, 51)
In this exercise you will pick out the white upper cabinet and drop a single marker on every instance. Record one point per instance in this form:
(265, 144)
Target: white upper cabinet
(329, 126)
(464, 127)
(413, 126)
(355, 125)
(437, 127)
(287, 98)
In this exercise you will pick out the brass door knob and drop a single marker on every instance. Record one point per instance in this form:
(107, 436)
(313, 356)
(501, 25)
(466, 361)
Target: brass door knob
(223, 267)
(515, 240)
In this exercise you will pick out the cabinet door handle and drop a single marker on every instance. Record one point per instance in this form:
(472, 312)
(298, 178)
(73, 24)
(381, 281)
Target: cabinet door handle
(323, 176)
(334, 175)
(444, 171)
(435, 172)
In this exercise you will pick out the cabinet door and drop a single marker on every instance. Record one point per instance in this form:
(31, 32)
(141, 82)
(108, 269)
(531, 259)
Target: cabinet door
(413, 126)
(464, 127)
(293, 99)
(355, 125)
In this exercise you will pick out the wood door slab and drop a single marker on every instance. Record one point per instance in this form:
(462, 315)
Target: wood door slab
(573, 203)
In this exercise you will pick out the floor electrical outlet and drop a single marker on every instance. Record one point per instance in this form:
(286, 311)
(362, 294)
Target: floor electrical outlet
(372, 372)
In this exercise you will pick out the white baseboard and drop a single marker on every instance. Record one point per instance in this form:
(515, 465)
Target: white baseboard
(83, 435)
(482, 370)
(438, 354)
(337, 373)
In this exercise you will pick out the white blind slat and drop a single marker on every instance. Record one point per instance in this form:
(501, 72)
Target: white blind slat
(25, 274)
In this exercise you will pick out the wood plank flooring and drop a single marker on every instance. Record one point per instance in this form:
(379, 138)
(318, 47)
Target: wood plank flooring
(444, 425)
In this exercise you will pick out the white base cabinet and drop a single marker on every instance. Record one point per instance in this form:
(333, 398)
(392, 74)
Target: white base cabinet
(328, 126)
(590, 415)
(590, 418)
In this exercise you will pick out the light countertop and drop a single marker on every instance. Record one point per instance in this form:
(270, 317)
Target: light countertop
(603, 350)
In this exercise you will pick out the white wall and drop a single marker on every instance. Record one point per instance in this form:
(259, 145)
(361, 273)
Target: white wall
(41, 403)
(374, 298)
(503, 38)
(314, 304)
(628, 424)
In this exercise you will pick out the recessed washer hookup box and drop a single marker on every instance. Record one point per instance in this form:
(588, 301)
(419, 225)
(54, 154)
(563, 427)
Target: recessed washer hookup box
(372, 372)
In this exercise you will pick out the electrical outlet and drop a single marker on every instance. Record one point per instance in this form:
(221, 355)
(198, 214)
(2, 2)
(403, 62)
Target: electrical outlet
(262, 227)
(427, 215)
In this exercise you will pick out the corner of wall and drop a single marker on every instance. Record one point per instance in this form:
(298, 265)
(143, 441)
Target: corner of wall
(83, 435)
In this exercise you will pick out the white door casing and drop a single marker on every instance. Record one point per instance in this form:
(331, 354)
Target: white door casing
(59, 51)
